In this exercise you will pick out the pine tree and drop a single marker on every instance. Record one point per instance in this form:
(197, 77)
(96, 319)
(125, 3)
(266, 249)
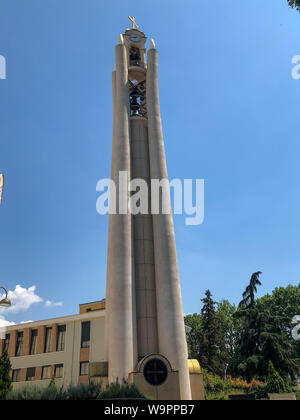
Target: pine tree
(5, 379)
(275, 383)
(262, 339)
(249, 294)
(212, 343)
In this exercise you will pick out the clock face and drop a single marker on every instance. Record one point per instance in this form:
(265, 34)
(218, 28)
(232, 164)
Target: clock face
(135, 38)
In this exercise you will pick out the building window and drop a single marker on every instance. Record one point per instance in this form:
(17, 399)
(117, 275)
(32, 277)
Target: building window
(33, 343)
(59, 370)
(155, 372)
(85, 334)
(19, 348)
(84, 368)
(6, 342)
(48, 340)
(46, 372)
(61, 335)
(30, 374)
(16, 375)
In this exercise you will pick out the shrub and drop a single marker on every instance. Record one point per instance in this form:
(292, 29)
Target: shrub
(31, 392)
(216, 388)
(275, 383)
(124, 390)
(252, 387)
(82, 392)
(73, 392)
(213, 383)
(91, 391)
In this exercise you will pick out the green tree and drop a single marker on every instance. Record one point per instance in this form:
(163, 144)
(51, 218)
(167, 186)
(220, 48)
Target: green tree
(249, 294)
(212, 343)
(294, 4)
(275, 383)
(5, 379)
(285, 303)
(276, 346)
(193, 338)
(231, 328)
(228, 324)
(263, 338)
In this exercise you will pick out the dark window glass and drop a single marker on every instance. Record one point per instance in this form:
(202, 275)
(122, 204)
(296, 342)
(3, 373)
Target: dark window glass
(155, 372)
(19, 348)
(85, 334)
(30, 374)
(61, 335)
(33, 343)
(84, 368)
(46, 372)
(16, 375)
(6, 342)
(59, 370)
(48, 340)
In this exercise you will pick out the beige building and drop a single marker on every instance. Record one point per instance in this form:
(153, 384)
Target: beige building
(71, 348)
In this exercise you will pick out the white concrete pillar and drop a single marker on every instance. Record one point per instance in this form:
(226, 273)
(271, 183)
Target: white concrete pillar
(119, 304)
(107, 303)
(171, 331)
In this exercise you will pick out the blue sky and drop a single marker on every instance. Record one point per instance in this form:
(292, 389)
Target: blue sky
(230, 116)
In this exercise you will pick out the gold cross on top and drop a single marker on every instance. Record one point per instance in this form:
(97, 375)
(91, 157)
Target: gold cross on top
(132, 20)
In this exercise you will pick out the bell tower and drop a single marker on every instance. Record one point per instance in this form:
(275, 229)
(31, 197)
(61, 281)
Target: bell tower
(145, 333)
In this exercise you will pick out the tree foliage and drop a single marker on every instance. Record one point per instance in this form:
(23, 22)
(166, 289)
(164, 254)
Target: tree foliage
(193, 338)
(249, 294)
(5, 379)
(275, 383)
(212, 354)
(249, 336)
(263, 338)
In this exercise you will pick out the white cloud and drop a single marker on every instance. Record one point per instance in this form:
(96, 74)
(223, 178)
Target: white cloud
(21, 299)
(50, 304)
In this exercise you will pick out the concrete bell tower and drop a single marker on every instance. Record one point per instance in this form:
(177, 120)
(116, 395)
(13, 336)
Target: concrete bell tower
(145, 333)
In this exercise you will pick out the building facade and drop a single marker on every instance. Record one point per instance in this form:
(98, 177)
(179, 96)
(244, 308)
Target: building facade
(70, 348)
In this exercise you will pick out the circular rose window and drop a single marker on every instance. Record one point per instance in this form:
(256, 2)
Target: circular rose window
(155, 372)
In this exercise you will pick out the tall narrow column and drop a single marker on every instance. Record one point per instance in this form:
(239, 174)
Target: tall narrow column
(119, 259)
(171, 331)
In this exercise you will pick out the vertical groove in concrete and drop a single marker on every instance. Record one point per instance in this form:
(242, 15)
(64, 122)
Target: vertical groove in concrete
(144, 248)
(171, 331)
